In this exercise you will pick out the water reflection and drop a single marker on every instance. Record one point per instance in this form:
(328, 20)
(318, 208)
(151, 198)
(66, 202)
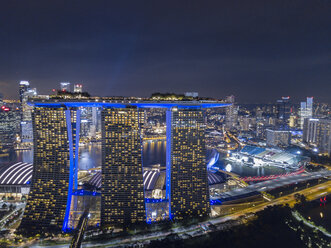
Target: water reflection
(89, 156)
(154, 152)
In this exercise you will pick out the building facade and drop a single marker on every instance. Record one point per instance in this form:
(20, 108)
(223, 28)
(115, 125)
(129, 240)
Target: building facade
(24, 87)
(49, 199)
(317, 133)
(122, 191)
(186, 181)
(284, 110)
(306, 110)
(278, 137)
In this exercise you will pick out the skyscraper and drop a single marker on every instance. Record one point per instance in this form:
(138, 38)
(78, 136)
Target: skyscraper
(310, 106)
(78, 88)
(317, 132)
(24, 86)
(186, 180)
(284, 110)
(65, 86)
(306, 110)
(26, 123)
(49, 200)
(231, 115)
(122, 192)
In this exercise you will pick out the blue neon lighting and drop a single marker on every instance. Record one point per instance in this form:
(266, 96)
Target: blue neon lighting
(154, 200)
(168, 159)
(215, 202)
(189, 105)
(71, 158)
(83, 192)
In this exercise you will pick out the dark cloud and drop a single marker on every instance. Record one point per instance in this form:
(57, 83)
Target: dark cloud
(257, 50)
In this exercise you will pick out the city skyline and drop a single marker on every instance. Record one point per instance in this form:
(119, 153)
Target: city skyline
(257, 52)
(165, 124)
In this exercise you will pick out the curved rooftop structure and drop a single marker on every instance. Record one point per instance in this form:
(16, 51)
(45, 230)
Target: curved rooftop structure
(16, 174)
(151, 178)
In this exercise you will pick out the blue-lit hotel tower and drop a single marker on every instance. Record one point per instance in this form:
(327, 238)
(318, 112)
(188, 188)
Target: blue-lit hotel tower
(122, 190)
(186, 177)
(56, 126)
(56, 137)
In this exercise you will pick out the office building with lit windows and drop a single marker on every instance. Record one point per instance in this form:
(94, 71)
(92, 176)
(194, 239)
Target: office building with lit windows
(306, 110)
(278, 137)
(24, 87)
(78, 88)
(284, 110)
(122, 191)
(49, 199)
(186, 180)
(317, 133)
(231, 116)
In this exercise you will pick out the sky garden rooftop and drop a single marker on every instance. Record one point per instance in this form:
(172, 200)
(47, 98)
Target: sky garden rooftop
(121, 102)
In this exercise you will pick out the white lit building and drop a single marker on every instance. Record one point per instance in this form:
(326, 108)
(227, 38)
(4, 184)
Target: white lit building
(306, 110)
(78, 88)
(65, 86)
(317, 132)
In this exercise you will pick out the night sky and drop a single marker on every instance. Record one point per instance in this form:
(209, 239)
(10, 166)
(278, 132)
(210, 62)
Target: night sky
(256, 50)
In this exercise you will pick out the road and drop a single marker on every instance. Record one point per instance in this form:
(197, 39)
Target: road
(325, 165)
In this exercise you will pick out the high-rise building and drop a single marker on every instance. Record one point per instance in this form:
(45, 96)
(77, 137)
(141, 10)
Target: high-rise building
(122, 192)
(317, 132)
(292, 121)
(231, 115)
(56, 139)
(65, 86)
(78, 88)
(9, 126)
(310, 106)
(310, 127)
(26, 122)
(244, 123)
(277, 137)
(284, 110)
(50, 195)
(306, 110)
(24, 86)
(186, 180)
